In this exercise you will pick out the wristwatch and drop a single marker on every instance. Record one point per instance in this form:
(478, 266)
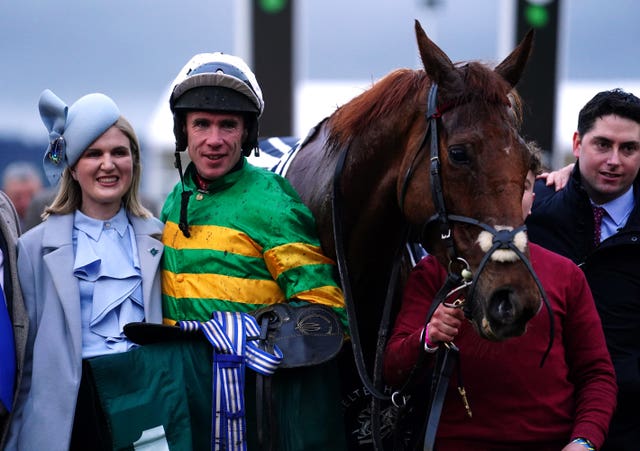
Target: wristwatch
(584, 442)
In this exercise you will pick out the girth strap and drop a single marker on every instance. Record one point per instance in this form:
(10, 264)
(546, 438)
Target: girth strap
(230, 334)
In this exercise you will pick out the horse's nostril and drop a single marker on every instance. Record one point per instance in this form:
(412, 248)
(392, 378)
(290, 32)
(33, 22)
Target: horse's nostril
(505, 309)
(501, 306)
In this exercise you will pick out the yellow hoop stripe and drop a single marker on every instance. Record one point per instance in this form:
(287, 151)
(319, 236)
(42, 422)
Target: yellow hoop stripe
(216, 286)
(211, 237)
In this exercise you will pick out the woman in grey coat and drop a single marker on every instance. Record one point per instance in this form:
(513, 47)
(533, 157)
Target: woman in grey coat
(89, 268)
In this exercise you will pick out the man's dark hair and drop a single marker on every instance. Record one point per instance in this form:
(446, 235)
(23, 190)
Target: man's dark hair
(616, 101)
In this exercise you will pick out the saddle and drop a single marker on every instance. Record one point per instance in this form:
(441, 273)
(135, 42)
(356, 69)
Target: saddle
(307, 335)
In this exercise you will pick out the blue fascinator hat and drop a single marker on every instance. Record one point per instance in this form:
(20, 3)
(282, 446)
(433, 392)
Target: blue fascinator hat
(72, 129)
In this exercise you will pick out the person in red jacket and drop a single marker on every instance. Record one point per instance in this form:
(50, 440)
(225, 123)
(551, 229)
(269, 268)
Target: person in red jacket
(566, 404)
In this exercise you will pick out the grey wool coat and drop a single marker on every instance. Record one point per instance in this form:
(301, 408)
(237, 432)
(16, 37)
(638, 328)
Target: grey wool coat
(44, 413)
(9, 231)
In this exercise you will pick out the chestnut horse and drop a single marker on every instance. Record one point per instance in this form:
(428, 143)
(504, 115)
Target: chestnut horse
(371, 160)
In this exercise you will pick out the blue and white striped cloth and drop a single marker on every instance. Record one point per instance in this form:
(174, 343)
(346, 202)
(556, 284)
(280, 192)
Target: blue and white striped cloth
(228, 333)
(272, 150)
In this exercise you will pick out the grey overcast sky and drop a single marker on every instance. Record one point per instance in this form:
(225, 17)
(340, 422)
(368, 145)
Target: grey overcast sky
(132, 49)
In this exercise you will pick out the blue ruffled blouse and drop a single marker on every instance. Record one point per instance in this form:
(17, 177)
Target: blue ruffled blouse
(108, 271)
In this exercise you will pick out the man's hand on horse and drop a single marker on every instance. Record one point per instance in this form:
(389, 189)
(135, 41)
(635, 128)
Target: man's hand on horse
(445, 324)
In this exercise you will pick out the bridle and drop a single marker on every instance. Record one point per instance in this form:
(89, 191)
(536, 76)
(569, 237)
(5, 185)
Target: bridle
(456, 280)
(502, 239)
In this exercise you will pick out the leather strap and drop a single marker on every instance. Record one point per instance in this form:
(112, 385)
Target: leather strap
(265, 420)
(448, 357)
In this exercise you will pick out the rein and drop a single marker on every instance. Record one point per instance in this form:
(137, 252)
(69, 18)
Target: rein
(356, 344)
(343, 270)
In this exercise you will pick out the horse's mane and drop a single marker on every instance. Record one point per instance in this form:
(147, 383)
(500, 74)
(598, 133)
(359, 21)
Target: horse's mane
(386, 97)
(402, 88)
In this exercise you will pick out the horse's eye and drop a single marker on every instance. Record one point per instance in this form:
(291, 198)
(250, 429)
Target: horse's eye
(458, 154)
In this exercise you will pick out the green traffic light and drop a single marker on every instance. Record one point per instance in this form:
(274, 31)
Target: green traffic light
(272, 6)
(537, 15)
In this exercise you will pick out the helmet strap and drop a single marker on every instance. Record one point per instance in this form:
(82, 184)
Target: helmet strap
(184, 199)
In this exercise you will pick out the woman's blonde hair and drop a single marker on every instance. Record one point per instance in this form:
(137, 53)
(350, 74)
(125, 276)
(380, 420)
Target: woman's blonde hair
(69, 196)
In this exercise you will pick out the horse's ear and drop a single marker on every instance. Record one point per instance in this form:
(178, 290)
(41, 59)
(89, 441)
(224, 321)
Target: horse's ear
(512, 67)
(436, 63)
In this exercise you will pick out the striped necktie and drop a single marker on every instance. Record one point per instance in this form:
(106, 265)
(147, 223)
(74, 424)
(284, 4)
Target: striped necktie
(598, 213)
(7, 356)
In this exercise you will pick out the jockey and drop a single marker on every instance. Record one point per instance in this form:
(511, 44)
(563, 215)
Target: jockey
(238, 238)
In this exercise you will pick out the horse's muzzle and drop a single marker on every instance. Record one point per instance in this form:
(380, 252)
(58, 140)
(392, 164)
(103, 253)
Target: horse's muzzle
(504, 316)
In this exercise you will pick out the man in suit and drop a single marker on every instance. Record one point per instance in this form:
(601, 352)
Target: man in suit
(605, 245)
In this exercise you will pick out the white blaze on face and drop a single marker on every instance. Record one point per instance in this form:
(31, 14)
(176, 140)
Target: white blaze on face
(485, 241)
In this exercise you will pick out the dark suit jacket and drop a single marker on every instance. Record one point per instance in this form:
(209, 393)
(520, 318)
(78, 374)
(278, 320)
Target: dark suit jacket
(563, 222)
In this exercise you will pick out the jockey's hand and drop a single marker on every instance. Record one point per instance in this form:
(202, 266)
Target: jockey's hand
(445, 324)
(558, 179)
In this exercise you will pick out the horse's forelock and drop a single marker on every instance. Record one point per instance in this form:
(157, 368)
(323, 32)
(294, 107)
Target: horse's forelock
(481, 92)
(480, 83)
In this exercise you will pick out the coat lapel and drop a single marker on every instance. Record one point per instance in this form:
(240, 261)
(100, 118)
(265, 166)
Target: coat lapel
(57, 244)
(150, 250)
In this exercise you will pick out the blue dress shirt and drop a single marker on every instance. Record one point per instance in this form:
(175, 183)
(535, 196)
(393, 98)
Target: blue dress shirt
(108, 271)
(618, 211)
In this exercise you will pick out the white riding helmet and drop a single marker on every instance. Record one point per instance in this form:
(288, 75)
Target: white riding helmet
(216, 82)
